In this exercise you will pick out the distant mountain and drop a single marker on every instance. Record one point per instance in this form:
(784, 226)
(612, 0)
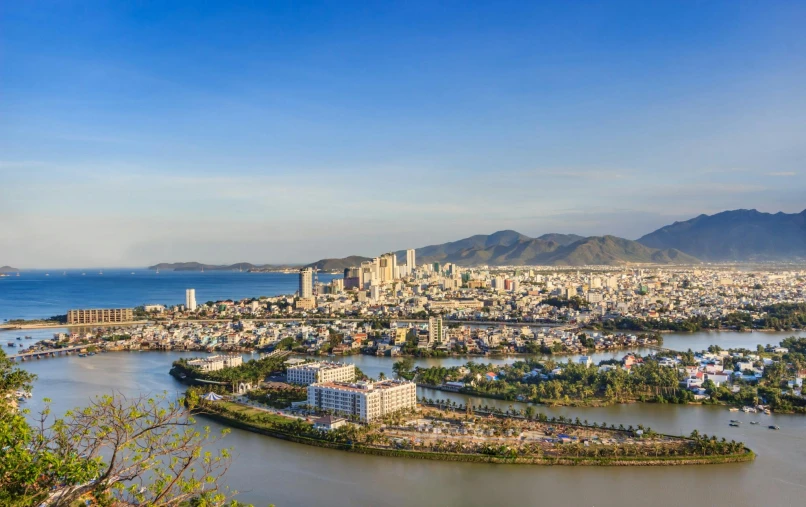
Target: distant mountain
(197, 266)
(604, 250)
(739, 235)
(8, 269)
(563, 239)
(435, 253)
(338, 264)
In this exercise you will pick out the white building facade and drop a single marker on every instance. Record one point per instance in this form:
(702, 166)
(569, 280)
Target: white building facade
(311, 373)
(190, 299)
(367, 401)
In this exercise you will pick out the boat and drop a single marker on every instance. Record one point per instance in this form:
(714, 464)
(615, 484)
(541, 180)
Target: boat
(767, 411)
(29, 337)
(749, 410)
(735, 425)
(753, 422)
(19, 337)
(773, 427)
(82, 355)
(10, 344)
(734, 409)
(735, 421)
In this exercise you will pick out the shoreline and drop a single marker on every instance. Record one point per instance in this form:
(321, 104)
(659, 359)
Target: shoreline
(745, 457)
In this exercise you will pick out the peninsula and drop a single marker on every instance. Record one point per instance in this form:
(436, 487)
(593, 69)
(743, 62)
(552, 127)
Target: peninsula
(418, 428)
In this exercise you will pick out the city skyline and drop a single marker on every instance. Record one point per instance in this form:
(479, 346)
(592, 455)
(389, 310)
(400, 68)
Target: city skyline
(280, 134)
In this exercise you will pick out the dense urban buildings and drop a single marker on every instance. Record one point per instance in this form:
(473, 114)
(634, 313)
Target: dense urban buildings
(365, 401)
(310, 373)
(100, 316)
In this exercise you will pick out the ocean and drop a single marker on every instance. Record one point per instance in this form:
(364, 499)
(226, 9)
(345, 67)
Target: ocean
(40, 294)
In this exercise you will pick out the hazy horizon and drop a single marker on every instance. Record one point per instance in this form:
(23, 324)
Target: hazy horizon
(178, 131)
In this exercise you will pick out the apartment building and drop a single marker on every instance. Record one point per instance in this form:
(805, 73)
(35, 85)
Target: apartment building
(100, 316)
(311, 373)
(367, 401)
(215, 363)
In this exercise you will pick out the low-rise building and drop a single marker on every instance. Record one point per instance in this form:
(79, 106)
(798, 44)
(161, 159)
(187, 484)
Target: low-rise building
(215, 363)
(366, 401)
(311, 373)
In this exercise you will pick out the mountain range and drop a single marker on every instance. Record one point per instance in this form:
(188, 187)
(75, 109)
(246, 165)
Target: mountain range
(738, 235)
(8, 269)
(514, 249)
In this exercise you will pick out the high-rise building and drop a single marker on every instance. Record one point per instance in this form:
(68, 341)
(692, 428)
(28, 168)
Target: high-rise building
(386, 267)
(410, 260)
(306, 283)
(436, 333)
(190, 300)
(101, 316)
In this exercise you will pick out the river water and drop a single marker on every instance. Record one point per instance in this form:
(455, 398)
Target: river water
(267, 470)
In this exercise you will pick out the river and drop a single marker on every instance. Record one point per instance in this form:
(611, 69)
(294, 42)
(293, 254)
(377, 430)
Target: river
(267, 470)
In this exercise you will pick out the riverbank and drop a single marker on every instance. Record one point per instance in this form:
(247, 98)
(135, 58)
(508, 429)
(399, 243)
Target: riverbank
(496, 450)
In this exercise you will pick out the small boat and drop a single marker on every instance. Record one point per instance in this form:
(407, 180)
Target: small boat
(735, 425)
(19, 337)
(82, 355)
(734, 409)
(753, 422)
(29, 337)
(10, 344)
(773, 427)
(749, 410)
(735, 421)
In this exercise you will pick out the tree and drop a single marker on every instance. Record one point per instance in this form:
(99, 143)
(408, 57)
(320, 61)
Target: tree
(116, 451)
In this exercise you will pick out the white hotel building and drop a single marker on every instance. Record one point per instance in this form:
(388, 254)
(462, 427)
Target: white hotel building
(365, 400)
(215, 363)
(311, 373)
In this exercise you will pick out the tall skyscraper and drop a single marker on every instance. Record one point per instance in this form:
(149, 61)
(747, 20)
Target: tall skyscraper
(410, 260)
(386, 267)
(306, 283)
(190, 299)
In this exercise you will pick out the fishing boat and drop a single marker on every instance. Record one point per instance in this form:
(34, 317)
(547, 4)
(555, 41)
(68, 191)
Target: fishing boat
(10, 344)
(735, 421)
(773, 427)
(19, 337)
(82, 355)
(753, 422)
(29, 337)
(735, 425)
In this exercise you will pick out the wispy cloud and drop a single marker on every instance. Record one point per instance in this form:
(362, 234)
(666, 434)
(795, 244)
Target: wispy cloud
(782, 174)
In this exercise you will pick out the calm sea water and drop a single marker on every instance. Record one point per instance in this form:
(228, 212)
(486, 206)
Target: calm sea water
(41, 294)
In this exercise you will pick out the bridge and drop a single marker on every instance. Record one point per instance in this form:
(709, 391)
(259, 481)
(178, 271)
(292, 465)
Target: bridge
(43, 354)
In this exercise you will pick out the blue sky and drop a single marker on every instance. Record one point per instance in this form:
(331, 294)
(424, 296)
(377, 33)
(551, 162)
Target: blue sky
(138, 132)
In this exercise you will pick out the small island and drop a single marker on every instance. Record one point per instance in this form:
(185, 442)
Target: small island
(254, 396)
